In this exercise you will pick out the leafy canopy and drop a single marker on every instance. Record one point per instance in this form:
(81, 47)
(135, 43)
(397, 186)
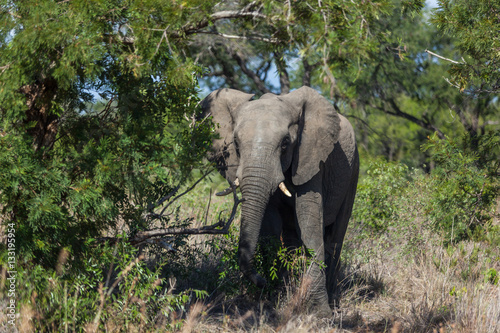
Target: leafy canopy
(474, 25)
(98, 117)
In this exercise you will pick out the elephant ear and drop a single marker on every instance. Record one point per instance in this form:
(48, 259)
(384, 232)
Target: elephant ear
(221, 105)
(319, 127)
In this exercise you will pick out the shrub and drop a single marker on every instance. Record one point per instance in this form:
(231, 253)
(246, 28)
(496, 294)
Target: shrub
(465, 185)
(113, 288)
(376, 198)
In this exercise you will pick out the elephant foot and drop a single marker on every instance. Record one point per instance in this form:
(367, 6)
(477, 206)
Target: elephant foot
(322, 311)
(258, 280)
(320, 307)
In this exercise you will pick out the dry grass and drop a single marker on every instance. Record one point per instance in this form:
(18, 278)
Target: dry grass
(401, 281)
(426, 291)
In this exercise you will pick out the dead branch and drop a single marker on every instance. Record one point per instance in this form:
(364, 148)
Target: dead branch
(154, 236)
(180, 195)
(242, 61)
(190, 28)
(443, 58)
(257, 38)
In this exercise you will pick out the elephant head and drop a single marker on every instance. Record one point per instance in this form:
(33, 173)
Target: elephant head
(266, 143)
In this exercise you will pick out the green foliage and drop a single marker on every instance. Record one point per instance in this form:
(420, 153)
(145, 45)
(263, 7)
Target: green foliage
(332, 36)
(457, 197)
(472, 23)
(294, 262)
(400, 97)
(98, 119)
(114, 289)
(492, 276)
(99, 124)
(376, 198)
(465, 189)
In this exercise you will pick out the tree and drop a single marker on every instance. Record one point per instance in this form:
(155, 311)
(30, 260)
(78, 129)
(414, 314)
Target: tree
(402, 82)
(313, 37)
(474, 25)
(98, 116)
(384, 79)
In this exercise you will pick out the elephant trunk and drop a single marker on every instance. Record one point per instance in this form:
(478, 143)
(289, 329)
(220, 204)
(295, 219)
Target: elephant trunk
(255, 189)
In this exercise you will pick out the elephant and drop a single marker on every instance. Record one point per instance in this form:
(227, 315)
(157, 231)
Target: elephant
(296, 162)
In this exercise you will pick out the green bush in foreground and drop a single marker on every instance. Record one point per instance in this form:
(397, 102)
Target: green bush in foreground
(93, 130)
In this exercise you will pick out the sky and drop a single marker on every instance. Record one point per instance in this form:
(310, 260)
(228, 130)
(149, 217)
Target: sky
(431, 3)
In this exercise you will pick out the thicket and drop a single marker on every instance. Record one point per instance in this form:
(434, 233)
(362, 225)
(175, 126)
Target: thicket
(461, 191)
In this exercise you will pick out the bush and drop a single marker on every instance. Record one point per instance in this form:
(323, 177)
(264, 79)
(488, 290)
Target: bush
(92, 131)
(114, 289)
(465, 186)
(376, 198)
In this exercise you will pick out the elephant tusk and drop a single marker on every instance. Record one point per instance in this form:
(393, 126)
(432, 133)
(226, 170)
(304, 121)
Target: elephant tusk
(229, 189)
(284, 189)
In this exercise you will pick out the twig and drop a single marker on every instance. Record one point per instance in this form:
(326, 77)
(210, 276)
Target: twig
(451, 83)
(165, 198)
(14, 15)
(186, 191)
(441, 57)
(479, 199)
(205, 219)
(4, 68)
(219, 228)
(257, 38)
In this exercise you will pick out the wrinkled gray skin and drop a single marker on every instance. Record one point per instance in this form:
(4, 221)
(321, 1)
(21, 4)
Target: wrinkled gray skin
(297, 138)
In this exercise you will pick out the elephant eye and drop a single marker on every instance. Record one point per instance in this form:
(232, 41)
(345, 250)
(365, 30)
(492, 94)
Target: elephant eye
(285, 143)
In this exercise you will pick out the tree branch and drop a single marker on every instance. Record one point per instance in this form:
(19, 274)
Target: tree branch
(190, 28)
(308, 69)
(153, 236)
(180, 195)
(257, 38)
(441, 57)
(243, 65)
(284, 78)
(399, 113)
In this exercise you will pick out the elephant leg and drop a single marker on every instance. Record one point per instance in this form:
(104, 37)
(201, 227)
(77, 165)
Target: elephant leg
(279, 228)
(309, 210)
(270, 233)
(272, 223)
(334, 238)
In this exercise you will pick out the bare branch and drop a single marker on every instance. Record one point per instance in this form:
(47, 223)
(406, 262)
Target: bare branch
(190, 28)
(4, 68)
(257, 38)
(252, 75)
(424, 123)
(441, 57)
(180, 195)
(219, 228)
(283, 73)
(13, 15)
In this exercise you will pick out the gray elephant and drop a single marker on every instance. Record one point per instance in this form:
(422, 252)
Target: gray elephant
(299, 144)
